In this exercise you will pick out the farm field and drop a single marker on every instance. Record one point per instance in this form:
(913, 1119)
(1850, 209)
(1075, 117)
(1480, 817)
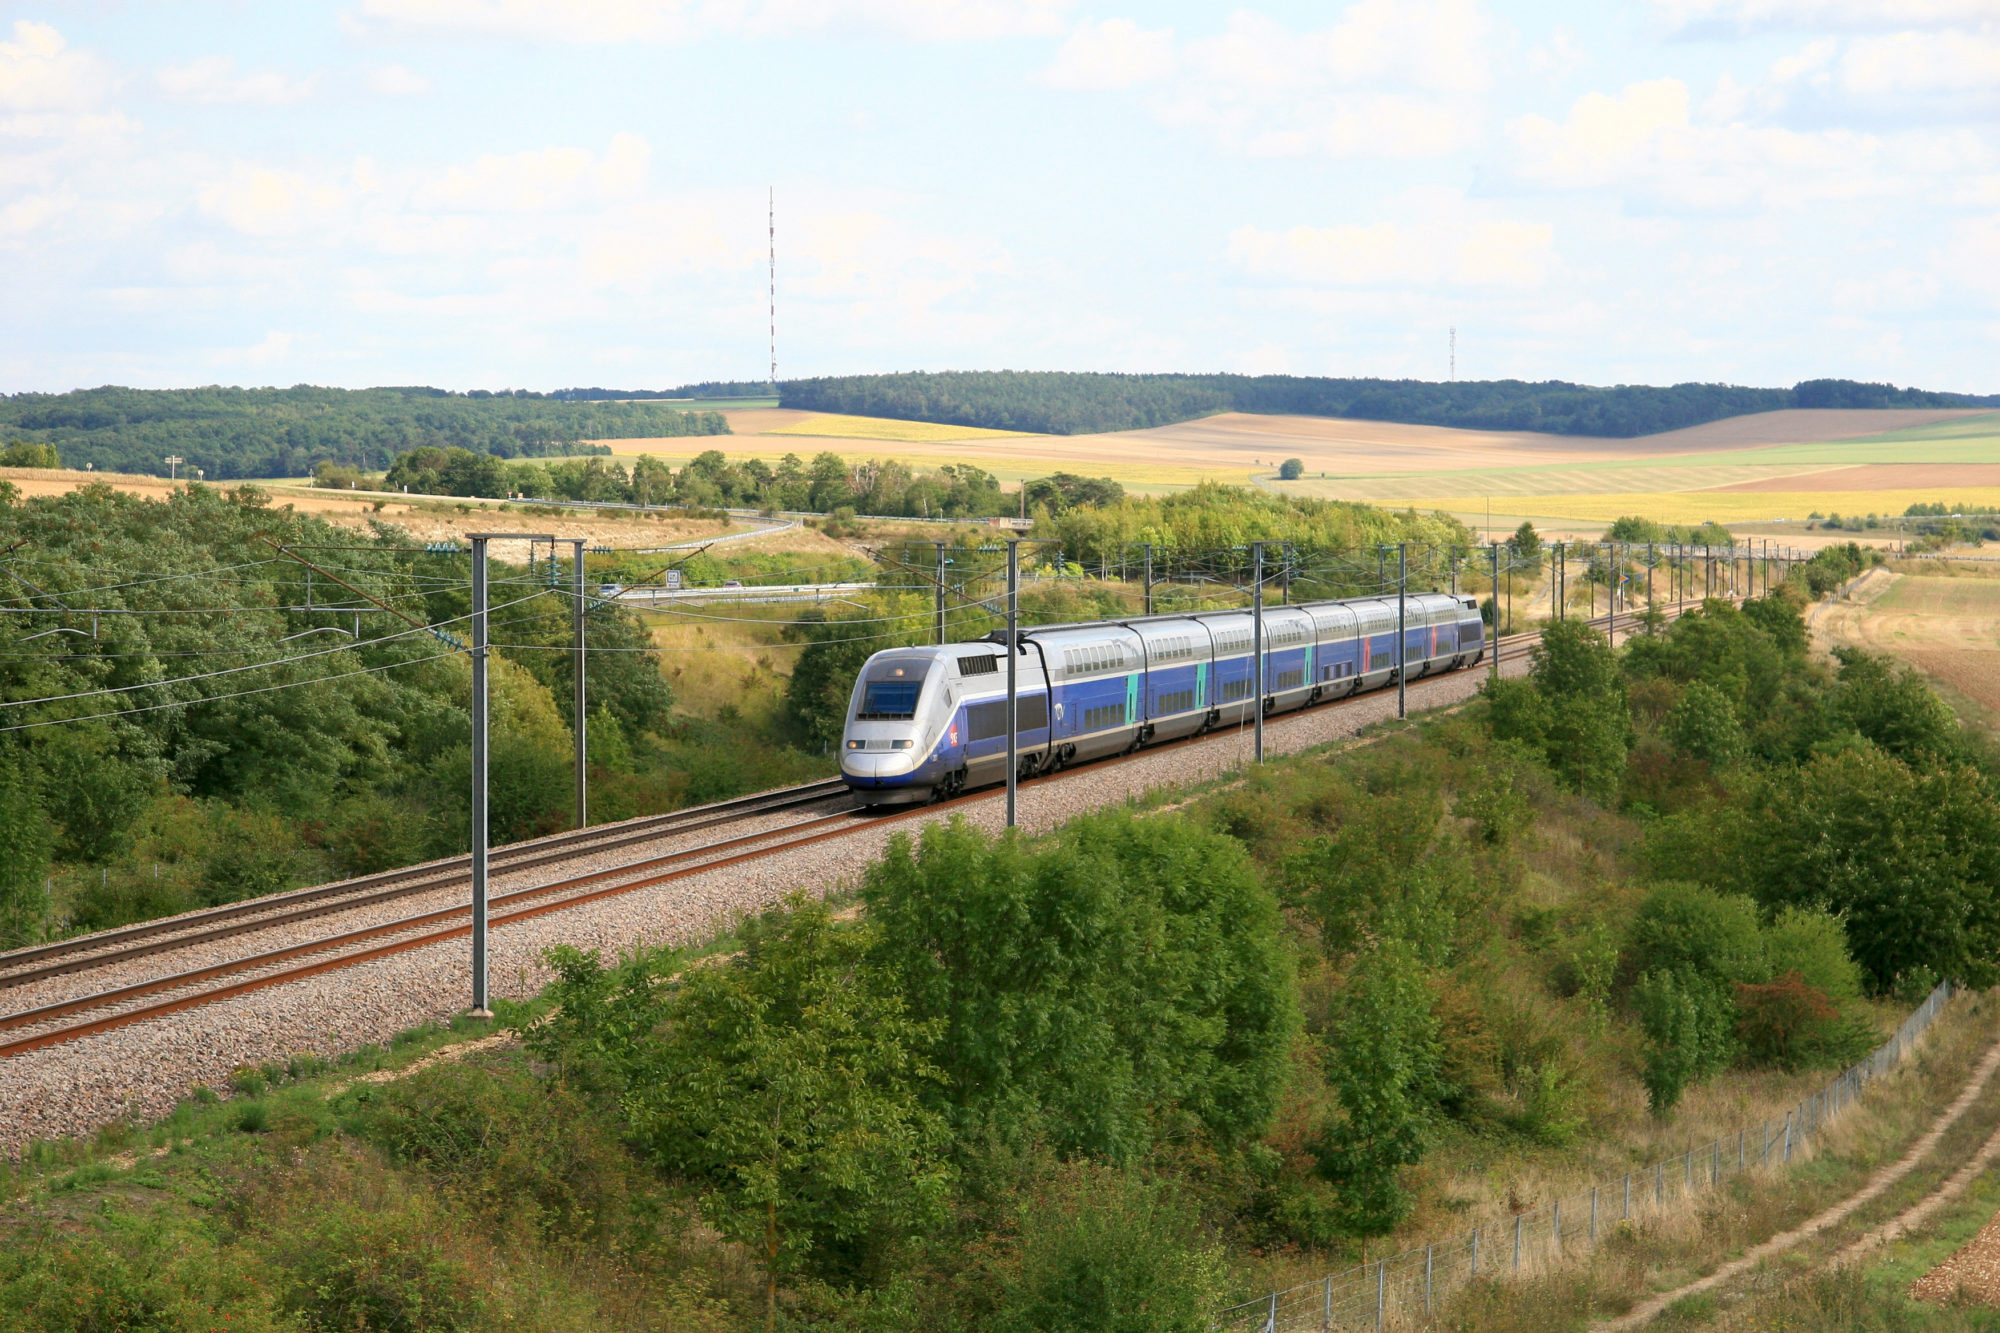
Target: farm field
(1946, 624)
(1766, 466)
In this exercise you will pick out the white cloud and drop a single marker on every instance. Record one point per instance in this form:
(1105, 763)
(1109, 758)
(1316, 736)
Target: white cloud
(1753, 15)
(275, 347)
(1647, 143)
(1463, 250)
(682, 20)
(21, 217)
(213, 80)
(398, 81)
(1116, 53)
(542, 180)
(264, 202)
(1386, 80)
(1922, 62)
(38, 72)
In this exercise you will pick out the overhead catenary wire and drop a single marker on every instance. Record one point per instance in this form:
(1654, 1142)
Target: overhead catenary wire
(237, 694)
(249, 666)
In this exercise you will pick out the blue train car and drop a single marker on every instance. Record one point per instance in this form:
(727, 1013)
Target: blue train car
(929, 722)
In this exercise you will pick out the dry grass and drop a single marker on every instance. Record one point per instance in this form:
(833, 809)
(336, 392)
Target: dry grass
(1663, 1253)
(882, 428)
(1945, 621)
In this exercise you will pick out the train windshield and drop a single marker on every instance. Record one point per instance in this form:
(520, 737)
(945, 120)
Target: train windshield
(892, 695)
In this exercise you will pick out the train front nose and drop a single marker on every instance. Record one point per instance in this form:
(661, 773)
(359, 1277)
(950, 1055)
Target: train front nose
(878, 766)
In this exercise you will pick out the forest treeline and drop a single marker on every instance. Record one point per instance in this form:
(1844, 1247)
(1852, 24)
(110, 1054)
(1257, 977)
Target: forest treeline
(1065, 403)
(828, 484)
(234, 433)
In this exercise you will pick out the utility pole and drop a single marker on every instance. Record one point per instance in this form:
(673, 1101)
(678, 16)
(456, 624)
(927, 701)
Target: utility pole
(1495, 636)
(173, 462)
(481, 752)
(1651, 624)
(480, 1008)
(1149, 578)
(1402, 631)
(940, 592)
(1257, 637)
(1013, 686)
(580, 705)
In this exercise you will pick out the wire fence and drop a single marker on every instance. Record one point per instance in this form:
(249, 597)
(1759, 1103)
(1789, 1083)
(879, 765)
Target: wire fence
(1403, 1290)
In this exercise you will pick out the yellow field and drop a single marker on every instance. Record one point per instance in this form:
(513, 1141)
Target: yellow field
(1700, 506)
(836, 426)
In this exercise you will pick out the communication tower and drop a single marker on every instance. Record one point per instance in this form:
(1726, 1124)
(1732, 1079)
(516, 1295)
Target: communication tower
(1454, 355)
(774, 288)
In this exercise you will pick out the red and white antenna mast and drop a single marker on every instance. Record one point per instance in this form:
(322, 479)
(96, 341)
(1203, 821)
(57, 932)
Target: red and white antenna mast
(774, 288)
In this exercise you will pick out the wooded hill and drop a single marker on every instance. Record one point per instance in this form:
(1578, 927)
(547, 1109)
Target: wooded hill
(231, 433)
(1061, 403)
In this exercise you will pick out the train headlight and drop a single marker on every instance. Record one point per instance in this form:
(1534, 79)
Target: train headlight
(857, 745)
(901, 745)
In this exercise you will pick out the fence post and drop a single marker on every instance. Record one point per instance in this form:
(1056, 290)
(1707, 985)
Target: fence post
(1687, 1185)
(1379, 1281)
(1475, 1252)
(1326, 1308)
(1517, 1242)
(1593, 1212)
(1788, 1136)
(1427, 1281)
(1739, 1152)
(1628, 1196)
(1556, 1225)
(1659, 1183)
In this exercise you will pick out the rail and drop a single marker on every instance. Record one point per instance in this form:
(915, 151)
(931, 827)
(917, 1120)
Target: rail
(1406, 1290)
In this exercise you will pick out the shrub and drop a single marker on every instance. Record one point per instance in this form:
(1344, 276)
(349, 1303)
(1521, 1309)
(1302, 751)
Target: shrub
(1813, 944)
(1703, 724)
(1689, 1026)
(1291, 469)
(379, 1268)
(1107, 1251)
(1778, 1023)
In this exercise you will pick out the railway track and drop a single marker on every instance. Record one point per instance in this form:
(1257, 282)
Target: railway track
(103, 1010)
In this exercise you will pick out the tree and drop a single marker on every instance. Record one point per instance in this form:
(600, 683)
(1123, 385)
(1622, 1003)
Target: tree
(1689, 1022)
(1291, 469)
(1383, 1064)
(1908, 858)
(1093, 993)
(26, 841)
(1703, 725)
(1573, 708)
(787, 1086)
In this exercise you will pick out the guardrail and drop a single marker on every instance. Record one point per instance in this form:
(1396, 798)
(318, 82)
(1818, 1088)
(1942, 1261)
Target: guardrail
(1404, 1290)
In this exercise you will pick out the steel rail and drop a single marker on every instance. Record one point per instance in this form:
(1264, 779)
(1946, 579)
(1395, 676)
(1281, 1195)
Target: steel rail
(1507, 648)
(89, 951)
(99, 999)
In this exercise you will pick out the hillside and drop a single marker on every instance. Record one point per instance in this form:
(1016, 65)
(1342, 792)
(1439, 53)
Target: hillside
(231, 433)
(1061, 403)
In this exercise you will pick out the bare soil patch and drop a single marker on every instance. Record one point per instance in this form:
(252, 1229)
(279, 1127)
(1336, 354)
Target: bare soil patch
(1947, 477)
(1970, 1275)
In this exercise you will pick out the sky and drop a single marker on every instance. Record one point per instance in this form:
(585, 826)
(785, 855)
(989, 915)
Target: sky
(539, 194)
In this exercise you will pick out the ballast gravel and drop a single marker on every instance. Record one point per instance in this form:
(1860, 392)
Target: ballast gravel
(139, 1072)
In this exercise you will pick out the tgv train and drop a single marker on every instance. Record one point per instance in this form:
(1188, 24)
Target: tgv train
(926, 723)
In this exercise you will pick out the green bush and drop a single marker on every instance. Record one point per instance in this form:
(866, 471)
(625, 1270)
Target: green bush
(1691, 929)
(383, 1268)
(1689, 1022)
(1813, 944)
(1109, 1251)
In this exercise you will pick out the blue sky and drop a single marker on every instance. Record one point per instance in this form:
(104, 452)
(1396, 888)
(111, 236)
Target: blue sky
(535, 194)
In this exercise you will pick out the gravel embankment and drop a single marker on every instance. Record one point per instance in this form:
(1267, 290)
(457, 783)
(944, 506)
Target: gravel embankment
(143, 1070)
(173, 961)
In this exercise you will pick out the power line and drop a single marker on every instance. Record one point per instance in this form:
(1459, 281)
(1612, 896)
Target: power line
(217, 698)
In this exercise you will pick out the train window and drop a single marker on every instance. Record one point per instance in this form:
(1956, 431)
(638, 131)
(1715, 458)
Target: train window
(1235, 689)
(1098, 719)
(889, 701)
(1180, 701)
(1291, 680)
(985, 721)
